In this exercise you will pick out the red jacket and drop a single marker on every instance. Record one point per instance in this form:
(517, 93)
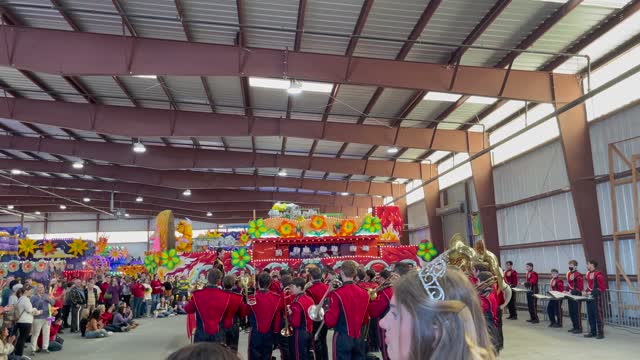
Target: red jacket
(347, 309)
(275, 287)
(266, 314)
(557, 285)
(137, 290)
(596, 282)
(317, 291)
(379, 307)
(473, 280)
(494, 301)
(575, 282)
(209, 305)
(299, 313)
(511, 277)
(532, 278)
(156, 287)
(103, 290)
(105, 318)
(235, 308)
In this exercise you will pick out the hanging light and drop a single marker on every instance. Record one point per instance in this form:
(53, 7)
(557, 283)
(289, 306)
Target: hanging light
(126, 215)
(282, 173)
(295, 87)
(344, 193)
(139, 147)
(10, 207)
(209, 213)
(86, 199)
(78, 165)
(16, 171)
(37, 213)
(392, 150)
(63, 207)
(186, 192)
(139, 199)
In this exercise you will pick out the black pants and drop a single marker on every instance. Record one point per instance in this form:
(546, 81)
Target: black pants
(282, 343)
(575, 314)
(594, 313)
(320, 346)
(23, 334)
(513, 313)
(532, 304)
(260, 345)
(232, 336)
(75, 317)
(66, 310)
(500, 333)
(554, 311)
(299, 345)
(347, 348)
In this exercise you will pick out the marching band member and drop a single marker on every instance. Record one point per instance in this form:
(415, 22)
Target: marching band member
(276, 285)
(379, 307)
(490, 306)
(532, 285)
(302, 325)
(575, 286)
(316, 291)
(209, 304)
(554, 307)
(596, 285)
(346, 314)
(511, 277)
(282, 342)
(264, 319)
(232, 314)
(370, 279)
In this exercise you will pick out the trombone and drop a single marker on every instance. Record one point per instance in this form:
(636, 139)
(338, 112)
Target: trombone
(373, 293)
(316, 312)
(286, 330)
(245, 282)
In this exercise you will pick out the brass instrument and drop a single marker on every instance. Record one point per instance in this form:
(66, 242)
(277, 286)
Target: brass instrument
(373, 293)
(316, 312)
(480, 287)
(286, 330)
(245, 282)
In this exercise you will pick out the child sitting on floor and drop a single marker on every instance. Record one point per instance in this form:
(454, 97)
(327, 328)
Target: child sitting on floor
(84, 321)
(94, 327)
(163, 310)
(179, 308)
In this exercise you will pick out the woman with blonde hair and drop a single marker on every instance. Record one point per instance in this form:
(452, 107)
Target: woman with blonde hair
(435, 315)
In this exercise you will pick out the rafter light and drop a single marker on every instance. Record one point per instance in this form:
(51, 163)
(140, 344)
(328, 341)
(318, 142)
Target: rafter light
(139, 199)
(186, 192)
(63, 207)
(86, 199)
(139, 147)
(78, 165)
(16, 172)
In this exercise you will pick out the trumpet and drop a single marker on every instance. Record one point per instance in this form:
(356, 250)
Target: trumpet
(373, 293)
(286, 330)
(245, 283)
(316, 312)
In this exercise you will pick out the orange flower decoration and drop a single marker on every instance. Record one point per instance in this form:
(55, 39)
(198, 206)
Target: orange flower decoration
(318, 222)
(347, 227)
(48, 248)
(287, 229)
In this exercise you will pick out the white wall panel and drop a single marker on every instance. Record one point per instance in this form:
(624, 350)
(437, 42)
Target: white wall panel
(416, 237)
(537, 172)
(546, 258)
(624, 199)
(473, 199)
(547, 219)
(125, 225)
(417, 215)
(455, 223)
(71, 226)
(621, 126)
(627, 256)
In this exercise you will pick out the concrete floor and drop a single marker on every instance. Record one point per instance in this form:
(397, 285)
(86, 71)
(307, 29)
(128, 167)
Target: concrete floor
(157, 338)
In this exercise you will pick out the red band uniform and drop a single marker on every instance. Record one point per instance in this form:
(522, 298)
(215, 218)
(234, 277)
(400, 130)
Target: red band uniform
(378, 309)
(575, 285)
(281, 342)
(234, 312)
(511, 277)
(300, 341)
(596, 285)
(554, 307)
(346, 315)
(497, 297)
(320, 349)
(209, 305)
(532, 303)
(265, 317)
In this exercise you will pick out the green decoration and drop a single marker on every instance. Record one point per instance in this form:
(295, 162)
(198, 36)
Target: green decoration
(240, 258)
(372, 224)
(426, 251)
(150, 264)
(170, 259)
(256, 228)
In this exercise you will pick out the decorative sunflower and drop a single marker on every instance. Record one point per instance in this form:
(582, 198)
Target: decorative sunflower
(27, 266)
(426, 251)
(78, 247)
(27, 246)
(13, 265)
(318, 222)
(244, 238)
(287, 229)
(41, 266)
(372, 224)
(256, 228)
(347, 227)
(48, 248)
(240, 258)
(170, 259)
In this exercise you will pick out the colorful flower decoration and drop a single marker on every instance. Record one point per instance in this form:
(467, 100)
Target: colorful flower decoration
(3, 272)
(27, 266)
(318, 222)
(101, 245)
(27, 246)
(287, 229)
(78, 247)
(256, 228)
(183, 246)
(347, 227)
(170, 259)
(244, 238)
(426, 251)
(240, 258)
(13, 265)
(41, 266)
(114, 254)
(150, 264)
(49, 248)
(372, 224)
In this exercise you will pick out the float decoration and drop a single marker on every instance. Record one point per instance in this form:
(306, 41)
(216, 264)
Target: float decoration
(98, 263)
(27, 246)
(426, 251)
(78, 247)
(256, 228)
(48, 248)
(151, 263)
(41, 266)
(288, 229)
(170, 259)
(371, 225)
(27, 267)
(185, 242)
(132, 270)
(101, 244)
(13, 266)
(390, 235)
(244, 238)
(389, 216)
(3, 271)
(240, 258)
(347, 227)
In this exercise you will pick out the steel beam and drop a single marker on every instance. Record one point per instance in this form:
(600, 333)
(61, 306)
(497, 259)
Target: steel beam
(576, 143)
(73, 53)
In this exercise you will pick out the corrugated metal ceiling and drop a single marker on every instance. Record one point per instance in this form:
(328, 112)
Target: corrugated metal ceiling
(334, 16)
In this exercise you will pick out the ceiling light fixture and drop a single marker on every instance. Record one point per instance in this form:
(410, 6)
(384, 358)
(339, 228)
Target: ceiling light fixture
(186, 192)
(139, 147)
(344, 193)
(37, 212)
(139, 199)
(86, 199)
(440, 96)
(282, 173)
(16, 171)
(78, 165)
(145, 76)
(209, 213)
(63, 207)
(126, 215)
(295, 88)
(10, 207)
(392, 150)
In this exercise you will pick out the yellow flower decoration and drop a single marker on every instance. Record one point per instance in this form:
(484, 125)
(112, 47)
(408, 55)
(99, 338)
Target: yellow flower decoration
(27, 246)
(78, 247)
(244, 238)
(347, 227)
(48, 248)
(287, 229)
(318, 222)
